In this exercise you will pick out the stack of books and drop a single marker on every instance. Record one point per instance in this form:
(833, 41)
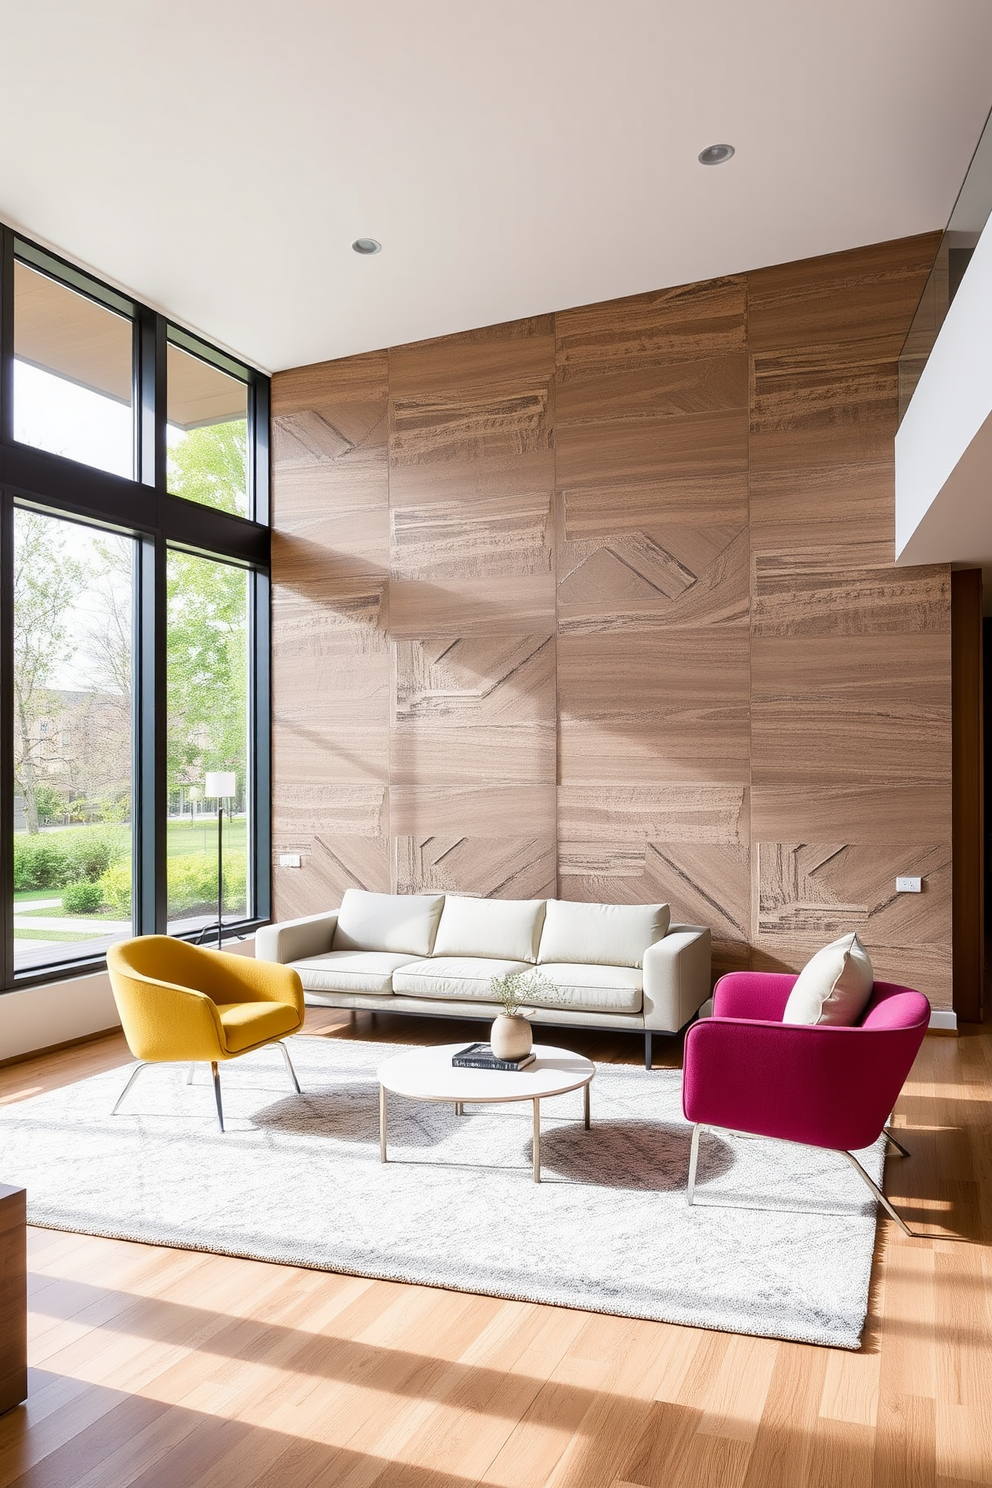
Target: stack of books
(481, 1056)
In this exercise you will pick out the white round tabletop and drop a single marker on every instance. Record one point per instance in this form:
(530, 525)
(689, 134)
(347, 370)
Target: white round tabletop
(428, 1074)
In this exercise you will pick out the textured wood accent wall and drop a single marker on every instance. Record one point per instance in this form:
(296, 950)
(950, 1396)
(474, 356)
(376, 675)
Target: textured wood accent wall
(602, 604)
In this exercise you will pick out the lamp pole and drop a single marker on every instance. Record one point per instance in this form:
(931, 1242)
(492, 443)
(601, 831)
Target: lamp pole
(220, 785)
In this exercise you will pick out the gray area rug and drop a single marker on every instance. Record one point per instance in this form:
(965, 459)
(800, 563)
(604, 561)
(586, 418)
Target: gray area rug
(297, 1179)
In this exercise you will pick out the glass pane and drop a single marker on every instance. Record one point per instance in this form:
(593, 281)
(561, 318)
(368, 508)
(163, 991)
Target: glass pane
(207, 434)
(72, 374)
(72, 739)
(208, 732)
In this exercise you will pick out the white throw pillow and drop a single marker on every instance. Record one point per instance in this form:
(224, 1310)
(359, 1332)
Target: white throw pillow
(833, 987)
(506, 928)
(402, 923)
(602, 934)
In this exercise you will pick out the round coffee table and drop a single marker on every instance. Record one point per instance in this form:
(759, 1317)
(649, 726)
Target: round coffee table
(429, 1075)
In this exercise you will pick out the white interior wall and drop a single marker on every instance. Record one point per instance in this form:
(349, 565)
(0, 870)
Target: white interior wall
(944, 444)
(56, 1013)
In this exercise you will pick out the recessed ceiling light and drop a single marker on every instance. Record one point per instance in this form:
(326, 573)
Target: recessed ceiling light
(715, 154)
(366, 245)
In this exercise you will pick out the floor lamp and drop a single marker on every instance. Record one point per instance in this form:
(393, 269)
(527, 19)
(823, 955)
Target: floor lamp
(220, 785)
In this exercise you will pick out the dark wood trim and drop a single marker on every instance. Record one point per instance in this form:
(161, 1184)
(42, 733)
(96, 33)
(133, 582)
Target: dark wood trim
(967, 793)
(13, 1297)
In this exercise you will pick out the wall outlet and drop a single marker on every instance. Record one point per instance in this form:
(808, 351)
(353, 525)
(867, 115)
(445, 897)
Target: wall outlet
(293, 860)
(909, 885)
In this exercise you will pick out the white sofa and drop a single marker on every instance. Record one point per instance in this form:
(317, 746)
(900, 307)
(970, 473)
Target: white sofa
(620, 966)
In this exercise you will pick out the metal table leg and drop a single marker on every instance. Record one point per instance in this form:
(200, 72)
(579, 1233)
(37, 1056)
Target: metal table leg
(585, 1103)
(537, 1139)
(382, 1124)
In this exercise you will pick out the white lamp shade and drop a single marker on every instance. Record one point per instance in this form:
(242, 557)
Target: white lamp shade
(220, 783)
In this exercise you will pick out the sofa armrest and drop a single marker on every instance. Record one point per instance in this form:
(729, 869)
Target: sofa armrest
(677, 977)
(292, 940)
(753, 994)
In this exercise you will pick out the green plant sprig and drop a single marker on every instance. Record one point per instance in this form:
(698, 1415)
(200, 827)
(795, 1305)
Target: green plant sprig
(517, 989)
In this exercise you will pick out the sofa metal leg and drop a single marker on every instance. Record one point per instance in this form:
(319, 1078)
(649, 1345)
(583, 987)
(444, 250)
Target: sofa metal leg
(289, 1066)
(647, 1051)
(897, 1145)
(192, 1072)
(220, 1107)
(879, 1195)
(693, 1160)
(131, 1079)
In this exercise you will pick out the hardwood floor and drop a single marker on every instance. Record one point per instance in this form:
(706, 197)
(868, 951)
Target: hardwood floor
(160, 1368)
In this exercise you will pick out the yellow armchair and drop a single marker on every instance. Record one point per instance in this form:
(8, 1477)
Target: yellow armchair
(184, 1004)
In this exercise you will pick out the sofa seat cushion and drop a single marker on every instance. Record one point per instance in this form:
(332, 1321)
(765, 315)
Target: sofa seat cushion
(246, 1024)
(398, 923)
(458, 978)
(351, 971)
(591, 988)
(502, 928)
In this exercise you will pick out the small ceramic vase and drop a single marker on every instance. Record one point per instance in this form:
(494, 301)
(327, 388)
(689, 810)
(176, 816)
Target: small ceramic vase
(511, 1038)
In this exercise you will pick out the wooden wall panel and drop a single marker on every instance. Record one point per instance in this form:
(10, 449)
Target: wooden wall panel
(472, 727)
(331, 666)
(850, 697)
(603, 603)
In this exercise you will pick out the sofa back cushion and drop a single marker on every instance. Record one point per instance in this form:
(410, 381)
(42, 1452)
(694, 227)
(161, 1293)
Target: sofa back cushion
(505, 928)
(602, 934)
(833, 987)
(403, 923)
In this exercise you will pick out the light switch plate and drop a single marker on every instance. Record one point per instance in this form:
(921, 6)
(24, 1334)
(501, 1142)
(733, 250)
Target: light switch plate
(293, 860)
(909, 885)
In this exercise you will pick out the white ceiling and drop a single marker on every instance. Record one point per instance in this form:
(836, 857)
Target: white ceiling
(513, 156)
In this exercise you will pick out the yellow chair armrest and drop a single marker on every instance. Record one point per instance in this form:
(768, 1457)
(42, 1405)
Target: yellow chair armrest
(164, 1023)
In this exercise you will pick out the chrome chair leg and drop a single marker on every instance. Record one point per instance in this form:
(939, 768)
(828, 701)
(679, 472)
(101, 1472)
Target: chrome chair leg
(897, 1145)
(220, 1108)
(289, 1066)
(192, 1072)
(131, 1079)
(879, 1195)
(693, 1160)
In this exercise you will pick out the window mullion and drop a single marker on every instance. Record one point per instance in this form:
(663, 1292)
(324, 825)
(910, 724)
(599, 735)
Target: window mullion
(151, 852)
(6, 334)
(150, 398)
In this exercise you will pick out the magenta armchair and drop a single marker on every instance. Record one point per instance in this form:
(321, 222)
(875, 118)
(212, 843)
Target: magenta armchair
(747, 1071)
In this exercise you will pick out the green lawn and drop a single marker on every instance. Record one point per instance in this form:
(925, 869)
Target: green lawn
(201, 836)
(185, 839)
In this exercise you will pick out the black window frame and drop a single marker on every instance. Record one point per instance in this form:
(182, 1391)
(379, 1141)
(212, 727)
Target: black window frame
(141, 507)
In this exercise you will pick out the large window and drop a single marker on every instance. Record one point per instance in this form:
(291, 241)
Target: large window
(73, 371)
(133, 623)
(207, 436)
(208, 733)
(73, 749)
